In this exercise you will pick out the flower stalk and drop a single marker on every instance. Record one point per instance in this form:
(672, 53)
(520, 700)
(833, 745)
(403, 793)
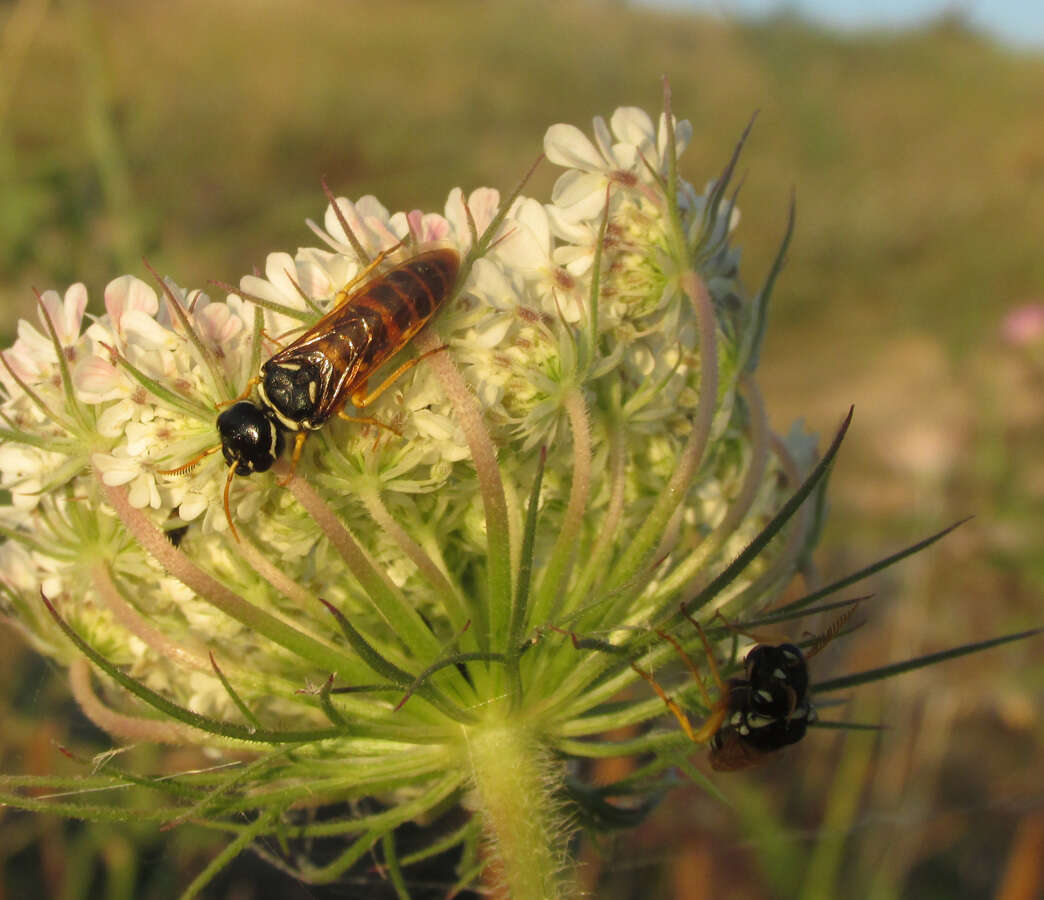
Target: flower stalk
(525, 831)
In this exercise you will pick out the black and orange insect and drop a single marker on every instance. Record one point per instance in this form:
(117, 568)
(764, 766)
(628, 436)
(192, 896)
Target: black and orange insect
(756, 715)
(312, 379)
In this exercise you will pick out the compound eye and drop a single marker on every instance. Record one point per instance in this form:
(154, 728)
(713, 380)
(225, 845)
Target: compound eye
(250, 440)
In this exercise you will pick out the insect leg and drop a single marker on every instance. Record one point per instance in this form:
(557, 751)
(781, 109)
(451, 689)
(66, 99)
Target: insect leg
(711, 663)
(673, 706)
(718, 709)
(347, 290)
(251, 384)
(368, 420)
(228, 507)
(299, 440)
(361, 400)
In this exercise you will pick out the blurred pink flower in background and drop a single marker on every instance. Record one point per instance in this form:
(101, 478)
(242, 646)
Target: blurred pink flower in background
(1024, 324)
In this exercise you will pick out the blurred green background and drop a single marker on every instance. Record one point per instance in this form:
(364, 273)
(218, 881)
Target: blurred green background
(196, 134)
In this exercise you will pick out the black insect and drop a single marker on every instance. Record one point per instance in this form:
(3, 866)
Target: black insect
(756, 715)
(765, 711)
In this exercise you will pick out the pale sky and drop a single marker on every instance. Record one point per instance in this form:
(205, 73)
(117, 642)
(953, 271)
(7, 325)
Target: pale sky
(1016, 22)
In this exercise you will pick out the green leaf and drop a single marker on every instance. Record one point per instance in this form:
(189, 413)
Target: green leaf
(871, 569)
(596, 812)
(366, 650)
(919, 662)
(327, 705)
(847, 726)
(457, 659)
(180, 713)
(752, 351)
(227, 685)
(260, 825)
(525, 573)
(393, 673)
(391, 863)
(751, 551)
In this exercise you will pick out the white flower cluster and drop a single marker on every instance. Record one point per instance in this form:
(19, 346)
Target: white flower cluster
(576, 298)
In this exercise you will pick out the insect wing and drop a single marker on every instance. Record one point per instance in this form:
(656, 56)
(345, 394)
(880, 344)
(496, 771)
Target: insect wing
(368, 326)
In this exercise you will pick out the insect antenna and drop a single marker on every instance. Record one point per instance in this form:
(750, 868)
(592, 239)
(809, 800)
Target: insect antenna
(228, 508)
(191, 464)
(832, 631)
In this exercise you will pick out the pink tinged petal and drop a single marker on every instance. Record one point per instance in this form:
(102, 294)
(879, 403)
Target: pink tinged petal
(567, 145)
(72, 313)
(382, 237)
(97, 380)
(22, 364)
(421, 227)
(128, 293)
(332, 223)
(145, 332)
(484, 203)
(321, 274)
(65, 315)
(217, 324)
(434, 228)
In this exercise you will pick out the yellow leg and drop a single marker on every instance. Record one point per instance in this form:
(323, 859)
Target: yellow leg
(711, 663)
(345, 292)
(361, 400)
(692, 668)
(718, 710)
(367, 420)
(677, 711)
(251, 384)
(299, 440)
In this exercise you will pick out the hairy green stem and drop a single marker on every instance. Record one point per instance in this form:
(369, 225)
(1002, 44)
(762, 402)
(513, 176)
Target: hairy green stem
(525, 832)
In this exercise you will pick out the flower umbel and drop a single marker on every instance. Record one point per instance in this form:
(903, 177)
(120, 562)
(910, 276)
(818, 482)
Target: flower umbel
(582, 450)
